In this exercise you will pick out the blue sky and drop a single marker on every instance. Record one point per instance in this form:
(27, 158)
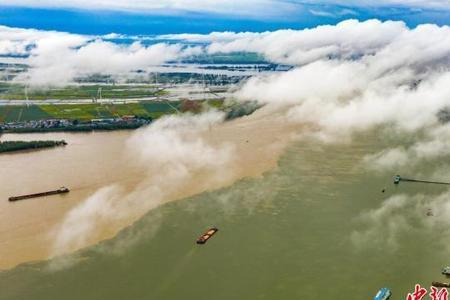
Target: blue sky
(199, 16)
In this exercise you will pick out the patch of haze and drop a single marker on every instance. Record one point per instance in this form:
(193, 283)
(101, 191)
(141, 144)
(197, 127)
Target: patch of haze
(52, 62)
(388, 159)
(19, 41)
(348, 78)
(389, 76)
(173, 156)
(433, 145)
(441, 173)
(392, 77)
(56, 58)
(403, 214)
(247, 197)
(348, 39)
(384, 224)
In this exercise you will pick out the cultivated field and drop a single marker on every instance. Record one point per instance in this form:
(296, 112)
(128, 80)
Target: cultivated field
(83, 112)
(14, 91)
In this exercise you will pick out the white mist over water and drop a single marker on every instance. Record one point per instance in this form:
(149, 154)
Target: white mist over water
(172, 153)
(349, 78)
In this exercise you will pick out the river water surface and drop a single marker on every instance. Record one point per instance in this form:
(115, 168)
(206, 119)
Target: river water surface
(313, 228)
(116, 177)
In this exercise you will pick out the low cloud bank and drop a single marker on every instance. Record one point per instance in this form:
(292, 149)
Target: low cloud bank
(52, 63)
(172, 154)
(57, 58)
(400, 215)
(349, 78)
(363, 53)
(357, 76)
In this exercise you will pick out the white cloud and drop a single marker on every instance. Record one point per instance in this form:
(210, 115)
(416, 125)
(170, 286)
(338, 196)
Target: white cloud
(57, 57)
(53, 63)
(347, 39)
(419, 3)
(348, 78)
(434, 145)
(404, 216)
(235, 7)
(371, 46)
(384, 225)
(18, 41)
(387, 159)
(435, 4)
(333, 13)
(225, 36)
(251, 8)
(353, 77)
(322, 13)
(170, 151)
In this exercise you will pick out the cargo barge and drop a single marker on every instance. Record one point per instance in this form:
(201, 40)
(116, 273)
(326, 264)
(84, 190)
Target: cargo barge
(61, 190)
(207, 235)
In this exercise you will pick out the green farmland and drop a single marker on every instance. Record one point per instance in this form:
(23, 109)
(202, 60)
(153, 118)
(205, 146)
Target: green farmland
(86, 111)
(13, 91)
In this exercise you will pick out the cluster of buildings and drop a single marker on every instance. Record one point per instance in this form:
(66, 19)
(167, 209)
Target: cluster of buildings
(65, 123)
(48, 123)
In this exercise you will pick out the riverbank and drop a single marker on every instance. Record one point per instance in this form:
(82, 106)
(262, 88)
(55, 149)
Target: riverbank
(15, 146)
(87, 117)
(87, 127)
(27, 231)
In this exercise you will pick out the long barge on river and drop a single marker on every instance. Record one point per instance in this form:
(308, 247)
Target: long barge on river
(61, 190)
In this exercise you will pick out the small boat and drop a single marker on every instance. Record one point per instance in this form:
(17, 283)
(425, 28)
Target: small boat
(397, 179)
(440, 284)
(383, 294)
(207, 235)
(446, 271)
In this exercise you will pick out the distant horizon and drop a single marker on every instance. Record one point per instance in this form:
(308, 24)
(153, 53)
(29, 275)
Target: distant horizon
(82, 21)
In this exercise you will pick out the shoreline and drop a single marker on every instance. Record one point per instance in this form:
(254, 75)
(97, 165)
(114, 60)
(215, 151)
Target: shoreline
(11, 147)
(258, 141)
